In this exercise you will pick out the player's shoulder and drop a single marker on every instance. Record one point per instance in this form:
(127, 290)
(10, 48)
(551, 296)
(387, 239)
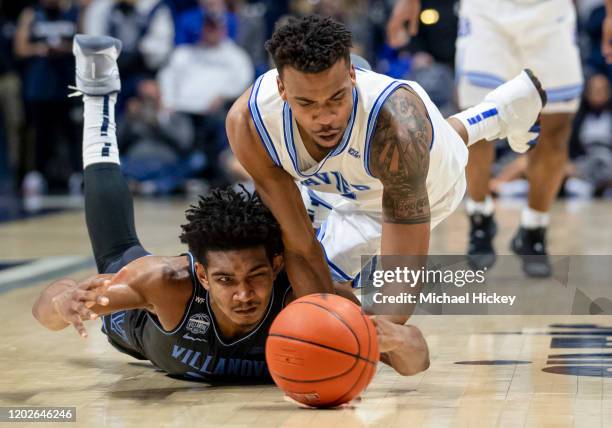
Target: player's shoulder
(162, 269)
(404, 110)
(403, 126)
(240, 112)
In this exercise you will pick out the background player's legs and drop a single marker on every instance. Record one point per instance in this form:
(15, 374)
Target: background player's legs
(552, 53)
(545, 169)
(478, 170)
(485, 58)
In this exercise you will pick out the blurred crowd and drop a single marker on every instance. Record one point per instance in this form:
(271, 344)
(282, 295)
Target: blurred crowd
(185, 61)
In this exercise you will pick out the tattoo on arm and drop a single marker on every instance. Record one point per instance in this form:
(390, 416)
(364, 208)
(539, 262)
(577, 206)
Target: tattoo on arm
(400, 157)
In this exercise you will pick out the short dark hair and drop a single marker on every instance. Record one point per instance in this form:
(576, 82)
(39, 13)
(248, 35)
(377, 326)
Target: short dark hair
(310, 44)
(230, 220)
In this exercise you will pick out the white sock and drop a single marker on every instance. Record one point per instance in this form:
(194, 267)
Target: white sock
(485, 207)
(481, 122)
(99, 139)
(532, 219)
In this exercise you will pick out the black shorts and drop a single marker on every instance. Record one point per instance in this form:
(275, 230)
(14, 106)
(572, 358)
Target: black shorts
(122, 328)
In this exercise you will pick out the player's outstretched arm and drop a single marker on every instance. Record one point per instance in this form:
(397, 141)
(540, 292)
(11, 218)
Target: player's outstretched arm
(304, 260)
(159, 284)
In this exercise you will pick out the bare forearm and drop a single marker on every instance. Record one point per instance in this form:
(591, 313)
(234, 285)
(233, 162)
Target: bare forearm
(308, 271)
(412, 356)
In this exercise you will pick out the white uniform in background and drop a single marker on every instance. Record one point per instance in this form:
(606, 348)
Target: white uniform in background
(499, 38)
(340, 191)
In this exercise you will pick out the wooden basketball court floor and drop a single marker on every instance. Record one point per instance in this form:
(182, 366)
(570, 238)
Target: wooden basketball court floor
(486, 371)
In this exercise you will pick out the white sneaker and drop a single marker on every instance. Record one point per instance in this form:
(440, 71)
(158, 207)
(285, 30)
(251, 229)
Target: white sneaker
(97, 73)
(519, 103)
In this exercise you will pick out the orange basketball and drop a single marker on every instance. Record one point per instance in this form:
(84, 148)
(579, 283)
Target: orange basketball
(321, 350)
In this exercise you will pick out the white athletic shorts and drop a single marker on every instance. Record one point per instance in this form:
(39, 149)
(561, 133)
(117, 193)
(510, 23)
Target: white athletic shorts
(347, 232)
(499, 38)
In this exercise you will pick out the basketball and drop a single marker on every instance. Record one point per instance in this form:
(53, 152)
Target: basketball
(322, 350)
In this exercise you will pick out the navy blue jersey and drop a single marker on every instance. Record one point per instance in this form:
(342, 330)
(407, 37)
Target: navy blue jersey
(195, 349)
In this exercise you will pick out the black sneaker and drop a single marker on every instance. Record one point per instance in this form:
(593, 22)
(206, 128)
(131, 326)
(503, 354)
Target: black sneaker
(530, 245)
(480, 251)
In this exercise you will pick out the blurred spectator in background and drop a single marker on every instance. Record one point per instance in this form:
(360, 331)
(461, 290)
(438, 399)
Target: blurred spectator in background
(355, 14)
(591, 141)
(244, 22)
(146, 29)
(189, 24)
(157, 146)
(437, 32)
(43, 41)
(594, 28)
(201, 80)
(11, 110)
(251, 34)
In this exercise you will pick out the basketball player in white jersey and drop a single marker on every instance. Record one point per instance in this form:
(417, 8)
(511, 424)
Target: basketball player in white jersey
(374, 150)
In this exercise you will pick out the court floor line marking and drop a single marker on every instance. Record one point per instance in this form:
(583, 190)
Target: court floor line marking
(45, 269)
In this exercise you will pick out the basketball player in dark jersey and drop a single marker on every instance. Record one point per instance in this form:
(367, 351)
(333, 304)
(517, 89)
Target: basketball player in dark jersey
(204, 315)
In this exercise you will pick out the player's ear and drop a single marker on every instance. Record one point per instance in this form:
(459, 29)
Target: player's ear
(352, 74)
(277, 264)
(201, 274)
(281, 88)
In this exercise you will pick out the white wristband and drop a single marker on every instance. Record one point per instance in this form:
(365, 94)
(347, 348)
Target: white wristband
(481, 122)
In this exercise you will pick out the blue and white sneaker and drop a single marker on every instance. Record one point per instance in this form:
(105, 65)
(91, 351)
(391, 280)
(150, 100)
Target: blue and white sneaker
(97, 73)
(519, 102)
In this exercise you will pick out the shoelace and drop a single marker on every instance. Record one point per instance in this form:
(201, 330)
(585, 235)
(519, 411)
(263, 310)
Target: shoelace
(77, 92)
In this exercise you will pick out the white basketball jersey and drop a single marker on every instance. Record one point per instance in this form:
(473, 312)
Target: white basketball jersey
(345, 170)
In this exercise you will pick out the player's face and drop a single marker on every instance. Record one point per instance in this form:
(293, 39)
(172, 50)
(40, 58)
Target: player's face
(239, 284)
(320, 102)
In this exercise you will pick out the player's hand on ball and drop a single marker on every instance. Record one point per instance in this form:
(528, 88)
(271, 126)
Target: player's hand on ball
(73, 305)
(388, 336)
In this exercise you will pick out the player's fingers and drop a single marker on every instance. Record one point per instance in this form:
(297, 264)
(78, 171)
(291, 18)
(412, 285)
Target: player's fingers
(94, 283)
(78, 325)
(413, 24)
(84, 312)
(393, 30)
(93, 297)
(87, 296)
